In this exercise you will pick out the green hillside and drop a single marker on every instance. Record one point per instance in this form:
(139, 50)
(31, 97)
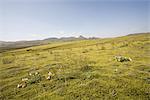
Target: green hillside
(81, 70)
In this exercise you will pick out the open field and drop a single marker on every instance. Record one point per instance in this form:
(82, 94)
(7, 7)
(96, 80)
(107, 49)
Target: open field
(82, 70)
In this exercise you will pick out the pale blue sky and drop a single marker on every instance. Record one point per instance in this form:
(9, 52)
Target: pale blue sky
(39, 19)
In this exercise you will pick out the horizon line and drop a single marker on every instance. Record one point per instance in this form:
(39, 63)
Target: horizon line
(88, 37)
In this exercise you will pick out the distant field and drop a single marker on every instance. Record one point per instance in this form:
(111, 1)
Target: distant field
(82, 70)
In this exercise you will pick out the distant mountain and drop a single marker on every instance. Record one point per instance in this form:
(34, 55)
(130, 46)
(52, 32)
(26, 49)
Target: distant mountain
(51, 39)
(4, 46)
(66, 38)
(138, 34)
(82, 37)
(1, 41)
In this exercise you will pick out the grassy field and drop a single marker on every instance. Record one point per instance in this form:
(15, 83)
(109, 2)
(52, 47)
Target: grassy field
(82, 70)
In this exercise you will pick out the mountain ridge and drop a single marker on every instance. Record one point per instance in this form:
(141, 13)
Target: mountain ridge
(4, 45)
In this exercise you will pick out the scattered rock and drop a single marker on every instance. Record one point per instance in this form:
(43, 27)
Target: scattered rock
(114, 93)
(22, 85)
(19, 85)
(33, 73)
(48, 77)
(50, 74)
(30, 74)
(116, 70)
(122, 59)
(36, 73)
(25, 79)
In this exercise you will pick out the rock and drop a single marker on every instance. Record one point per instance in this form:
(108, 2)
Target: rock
(130, 59)
(50, 74)
(36, 73)
(19, 85)
(30, 74)
(25, 79)
(22, 85)
(48, 78)
(116, 70)
(122, 59)
(33, 73)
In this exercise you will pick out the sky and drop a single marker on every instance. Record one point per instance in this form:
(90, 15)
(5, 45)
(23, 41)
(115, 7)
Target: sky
(39, 19)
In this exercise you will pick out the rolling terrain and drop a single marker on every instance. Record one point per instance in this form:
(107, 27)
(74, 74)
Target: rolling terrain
(85, 69)
(5, 46)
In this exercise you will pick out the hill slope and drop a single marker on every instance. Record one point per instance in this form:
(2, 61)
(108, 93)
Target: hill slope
(84, 69)
(5, 46)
